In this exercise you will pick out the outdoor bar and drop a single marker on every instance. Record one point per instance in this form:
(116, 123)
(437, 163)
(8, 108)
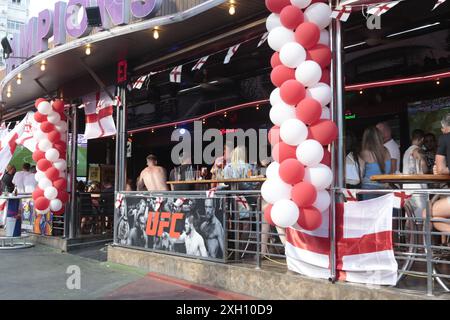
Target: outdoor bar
(219, 131)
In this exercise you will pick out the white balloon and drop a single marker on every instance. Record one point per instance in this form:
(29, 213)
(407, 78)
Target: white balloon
(44, 145)
(279, 36)
(39, 135)
(310, 153)
(55, 205)
(326, 113)
(44, 183)
(52, 155)
(45, 107)
(285, 213)
(308, 73)
(272, 171)
(39, 176)
(274, 190)
(61, 165)
(293, 132)
(323, 201)
(302, 4)
(62, 127)
(273, 21)
(321, 92)
(50, 193)
(275, 97)
(324, 37)
(281, 113)
(54, 118)
(320, 176)
(320, 14)
(292, 54)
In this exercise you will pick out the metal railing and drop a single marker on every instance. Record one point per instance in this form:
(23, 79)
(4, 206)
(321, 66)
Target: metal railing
(95, 213)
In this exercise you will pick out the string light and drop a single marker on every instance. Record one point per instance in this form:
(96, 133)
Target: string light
(257, 107)
(19, 79)
(43, 65)
(156, 33)
(88, 49)
(438, 82)
(153, 130)
(361, 92)
(225, 115)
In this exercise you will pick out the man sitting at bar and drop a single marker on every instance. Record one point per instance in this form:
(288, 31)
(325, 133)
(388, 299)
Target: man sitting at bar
(181, 173)
(154, 177)
(213, 230)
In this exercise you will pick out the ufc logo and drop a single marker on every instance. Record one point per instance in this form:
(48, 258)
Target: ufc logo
(158, 222)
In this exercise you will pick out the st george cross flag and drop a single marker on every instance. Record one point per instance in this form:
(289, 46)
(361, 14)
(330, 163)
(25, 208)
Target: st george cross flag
(175, 74)
(438, 3)
(364, 249)
(140, 82)
(231, 52)
(200, 63)
(341, 13)
(382, 8)
(99, 109)
(27, 139)
(263, 39)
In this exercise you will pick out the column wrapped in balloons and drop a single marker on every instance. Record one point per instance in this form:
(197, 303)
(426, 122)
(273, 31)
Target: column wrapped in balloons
(297, 182)
(50, 155)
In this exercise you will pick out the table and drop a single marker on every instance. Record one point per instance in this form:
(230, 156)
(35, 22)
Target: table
(232, 182)
(411, 178)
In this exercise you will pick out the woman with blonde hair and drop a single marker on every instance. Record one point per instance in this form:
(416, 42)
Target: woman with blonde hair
(374, 159)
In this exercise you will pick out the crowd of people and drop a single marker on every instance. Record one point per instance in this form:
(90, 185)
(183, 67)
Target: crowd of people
(21, 182)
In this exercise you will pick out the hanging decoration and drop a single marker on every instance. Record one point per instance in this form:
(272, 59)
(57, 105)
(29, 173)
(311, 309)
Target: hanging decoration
(438, 3)
(231, 52)
(175, 74)
(200, 63)
(342, 13)
(382, 8)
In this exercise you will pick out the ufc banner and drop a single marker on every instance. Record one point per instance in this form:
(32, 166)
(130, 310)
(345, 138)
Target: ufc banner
(189, 227)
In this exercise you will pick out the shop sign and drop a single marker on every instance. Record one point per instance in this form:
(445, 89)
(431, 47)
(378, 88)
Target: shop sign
(68, 21)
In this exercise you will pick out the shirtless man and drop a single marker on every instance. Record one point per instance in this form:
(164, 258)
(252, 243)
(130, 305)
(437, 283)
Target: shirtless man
(153, 177)
(213, 231)
(195, 245)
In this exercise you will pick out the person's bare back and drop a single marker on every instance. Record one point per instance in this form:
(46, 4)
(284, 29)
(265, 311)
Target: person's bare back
(154, 178)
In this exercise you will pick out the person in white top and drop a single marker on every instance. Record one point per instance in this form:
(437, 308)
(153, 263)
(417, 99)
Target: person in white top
(195, 245)
(24, 180)
(390, 144)
(414, 162)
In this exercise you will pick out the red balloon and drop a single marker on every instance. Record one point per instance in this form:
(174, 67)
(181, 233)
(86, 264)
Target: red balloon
(309, 111)
(59, 213)
(291, 17)
(63, 117)
(38, 101)
(324, 131)
(54, 136)
(52, 174)
(58, 106)
(326, 157)
(320, 54)
(292, 171)
(316, 1)
(282, 151)
(326, 76)
(38, 155)
(47, 127)
(39, 117)
(304, 194)
(38, 193)
(41, 203)
(44, 165)
(307, 34)
(268, 215)
(60, 184)
(310, 218)
(292, 92)
(276, 6)
(281, 74)
(62, 150)
(275, 60)
(274, 135)
(63, 196)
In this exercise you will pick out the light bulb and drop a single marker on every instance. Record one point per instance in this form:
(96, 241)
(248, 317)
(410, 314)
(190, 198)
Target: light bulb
(19, 80)
(232, 10)
(43, 64)
(156, 34)
(438, 82)
(8, 94)
(88, 50)
(361, 92)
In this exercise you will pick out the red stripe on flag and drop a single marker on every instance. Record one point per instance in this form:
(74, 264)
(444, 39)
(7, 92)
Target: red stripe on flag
(92, 118)
(307, 242)
(105, 112)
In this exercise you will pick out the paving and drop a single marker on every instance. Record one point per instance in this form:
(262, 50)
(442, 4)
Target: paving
(40, 273)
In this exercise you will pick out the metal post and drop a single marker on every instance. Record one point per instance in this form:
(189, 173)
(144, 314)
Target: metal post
(70, 219)
(124, 140)
(118, 171)
(258, 232)
(337, 113)
(427, 229)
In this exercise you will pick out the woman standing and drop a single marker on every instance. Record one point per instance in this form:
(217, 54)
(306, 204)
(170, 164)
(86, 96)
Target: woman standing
(374, 159)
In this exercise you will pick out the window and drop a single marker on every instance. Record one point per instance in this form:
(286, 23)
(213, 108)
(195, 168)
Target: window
(14, 25)
(16, 2)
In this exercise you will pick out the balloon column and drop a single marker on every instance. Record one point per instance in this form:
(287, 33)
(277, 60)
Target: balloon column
(297, 182)
(50, 155)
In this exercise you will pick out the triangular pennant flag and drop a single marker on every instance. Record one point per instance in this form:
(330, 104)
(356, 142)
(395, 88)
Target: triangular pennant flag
(200, 63)
(438, 3)
(382, 8)
(231, 52)
(341, 13)
(175, 74)
(263, 39)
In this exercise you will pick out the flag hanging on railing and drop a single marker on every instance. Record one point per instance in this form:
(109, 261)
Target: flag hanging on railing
(364, 246)
(382, 8)
(341, 13)
(231, 52)
(263, 39)
(200, 63)
(438, 3)
(175, 74)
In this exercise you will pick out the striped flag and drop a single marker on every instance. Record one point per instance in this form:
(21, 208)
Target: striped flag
(263, 39)
(175, 74)
(200, 63)
(382, 8)
(341, 13)
(231, 52)
(438, 3)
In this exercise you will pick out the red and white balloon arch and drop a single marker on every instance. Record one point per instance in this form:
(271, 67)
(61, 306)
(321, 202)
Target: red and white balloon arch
(297, 182)
(50, 155)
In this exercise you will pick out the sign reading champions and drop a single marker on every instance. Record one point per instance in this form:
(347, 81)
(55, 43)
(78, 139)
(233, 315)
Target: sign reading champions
(68, 21)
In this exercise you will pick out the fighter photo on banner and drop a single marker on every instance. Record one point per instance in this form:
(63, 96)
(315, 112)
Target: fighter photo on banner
(190, 227)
